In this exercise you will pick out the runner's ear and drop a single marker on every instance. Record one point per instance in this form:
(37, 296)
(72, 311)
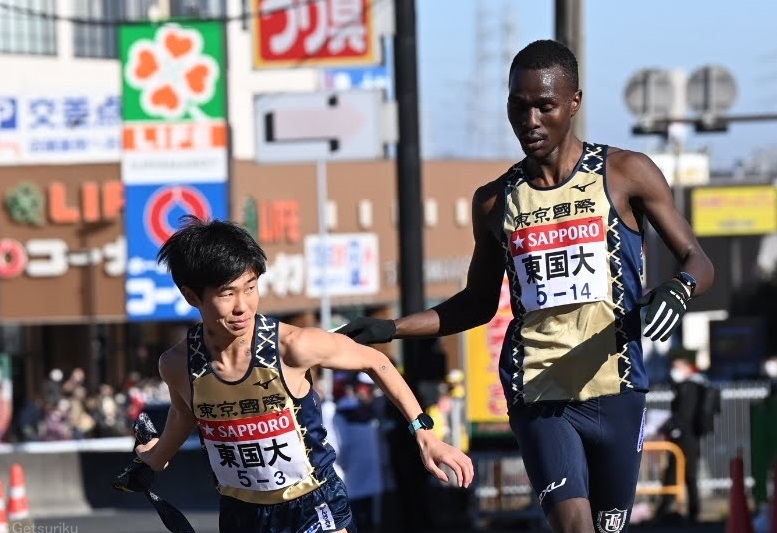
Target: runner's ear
(191, 297)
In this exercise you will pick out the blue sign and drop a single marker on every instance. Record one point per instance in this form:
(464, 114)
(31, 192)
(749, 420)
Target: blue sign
(341, 79)
(153, 213)
(8, 113)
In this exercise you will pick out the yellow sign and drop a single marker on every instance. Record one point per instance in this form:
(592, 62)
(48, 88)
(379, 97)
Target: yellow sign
(729, 211)
(485, 398)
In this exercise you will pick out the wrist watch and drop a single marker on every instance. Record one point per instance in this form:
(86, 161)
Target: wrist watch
(422, 421)
(686, 279)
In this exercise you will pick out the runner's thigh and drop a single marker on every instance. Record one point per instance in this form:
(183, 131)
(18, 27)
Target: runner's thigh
(614, 461)
(552, 453)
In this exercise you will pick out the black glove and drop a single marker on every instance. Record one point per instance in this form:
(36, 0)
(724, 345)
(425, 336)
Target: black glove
(144, 429)
(667, 304)
(138, 477)
(366, 330)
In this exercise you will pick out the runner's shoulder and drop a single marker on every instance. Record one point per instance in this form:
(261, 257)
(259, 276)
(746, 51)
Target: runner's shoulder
(488, 192)
(175, 358)
(625, 161)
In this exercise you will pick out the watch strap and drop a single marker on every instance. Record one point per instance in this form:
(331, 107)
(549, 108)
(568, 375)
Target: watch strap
(687, 280)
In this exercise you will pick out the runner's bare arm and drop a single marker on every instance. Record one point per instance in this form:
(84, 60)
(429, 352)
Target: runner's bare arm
(180, 420)
(305, 348)
(650, 194)
(477, 303)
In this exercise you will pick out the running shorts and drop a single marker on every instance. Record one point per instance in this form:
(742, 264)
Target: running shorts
(590, 449)
(325, 509)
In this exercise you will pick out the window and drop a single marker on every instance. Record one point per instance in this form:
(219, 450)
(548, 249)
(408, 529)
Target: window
(205, 9)
(24, 31)
(96, 36)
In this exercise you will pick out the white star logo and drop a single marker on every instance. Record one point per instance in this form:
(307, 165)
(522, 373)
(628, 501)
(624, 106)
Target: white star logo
(208, 430)
(518, 242)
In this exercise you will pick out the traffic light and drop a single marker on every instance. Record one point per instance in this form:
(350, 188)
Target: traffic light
(651, 128)
(711, 125)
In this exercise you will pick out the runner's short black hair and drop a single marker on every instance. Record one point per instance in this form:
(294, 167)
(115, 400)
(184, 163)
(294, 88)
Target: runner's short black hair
(204, 254)
(547, 53)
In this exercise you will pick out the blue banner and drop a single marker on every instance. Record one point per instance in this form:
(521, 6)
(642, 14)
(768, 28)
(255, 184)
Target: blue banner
(152, 213)
(347, 78)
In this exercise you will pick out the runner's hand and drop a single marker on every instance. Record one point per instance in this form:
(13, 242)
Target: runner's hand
(366, 330)
(666, 305)
(435, 452)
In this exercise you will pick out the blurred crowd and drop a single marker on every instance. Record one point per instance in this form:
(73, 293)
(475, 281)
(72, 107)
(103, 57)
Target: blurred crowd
(374, 455)
(361, 423)
(65, 410)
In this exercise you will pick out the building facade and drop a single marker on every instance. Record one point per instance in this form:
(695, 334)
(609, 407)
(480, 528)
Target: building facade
(62, 221)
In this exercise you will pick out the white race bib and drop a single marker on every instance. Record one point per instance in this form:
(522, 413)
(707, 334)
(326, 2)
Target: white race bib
(562, 263)
(259, 453)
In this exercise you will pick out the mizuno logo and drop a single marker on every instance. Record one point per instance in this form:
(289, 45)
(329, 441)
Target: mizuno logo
(582, 188)
(266, 384)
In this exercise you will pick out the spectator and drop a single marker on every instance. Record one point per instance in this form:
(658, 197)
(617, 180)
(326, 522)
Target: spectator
(81, 420)
(681, 428)
(107, 414)
(31, 420)
(57, 421)
(359, 456)
(52, 389)
(770, 370)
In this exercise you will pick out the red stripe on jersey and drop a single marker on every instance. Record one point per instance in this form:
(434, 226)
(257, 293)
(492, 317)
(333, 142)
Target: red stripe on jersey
(245, 429)
(558, 235)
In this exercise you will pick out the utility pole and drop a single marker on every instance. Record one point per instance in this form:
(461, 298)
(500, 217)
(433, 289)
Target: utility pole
(570, 31)
(408, 470)
(411, 246)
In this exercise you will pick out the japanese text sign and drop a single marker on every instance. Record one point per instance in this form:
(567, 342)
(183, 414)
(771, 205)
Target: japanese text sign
(728, 211)
(155, 210)
(60, 126)
(290, 33)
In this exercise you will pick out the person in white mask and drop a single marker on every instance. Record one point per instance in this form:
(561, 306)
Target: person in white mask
(681, 428)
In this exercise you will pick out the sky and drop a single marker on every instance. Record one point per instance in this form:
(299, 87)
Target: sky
(621, 38)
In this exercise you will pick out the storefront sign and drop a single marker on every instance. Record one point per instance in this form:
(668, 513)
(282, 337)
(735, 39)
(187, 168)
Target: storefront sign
(51, 258)
(347, 263)
(80, 125)
(729, 211)
(285, 276)
(292, 33)
(57, 203)
(155, 212)
(175, 150)
(346, 78)
(273, 221)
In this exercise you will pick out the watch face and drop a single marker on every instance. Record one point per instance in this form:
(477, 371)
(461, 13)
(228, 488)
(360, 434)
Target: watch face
(427, 422)
(688, 280)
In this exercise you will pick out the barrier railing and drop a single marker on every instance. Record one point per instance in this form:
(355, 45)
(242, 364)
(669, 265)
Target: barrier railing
(501, 489)
(654, 461)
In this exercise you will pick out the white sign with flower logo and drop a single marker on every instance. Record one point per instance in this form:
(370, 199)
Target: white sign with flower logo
(172, 74)
(174, 103)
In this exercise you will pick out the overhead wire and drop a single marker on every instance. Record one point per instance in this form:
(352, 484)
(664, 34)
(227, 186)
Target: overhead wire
(242, 17)
(246, 15)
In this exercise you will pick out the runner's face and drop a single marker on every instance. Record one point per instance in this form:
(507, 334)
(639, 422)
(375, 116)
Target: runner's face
(231, 307)
(540, 107)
